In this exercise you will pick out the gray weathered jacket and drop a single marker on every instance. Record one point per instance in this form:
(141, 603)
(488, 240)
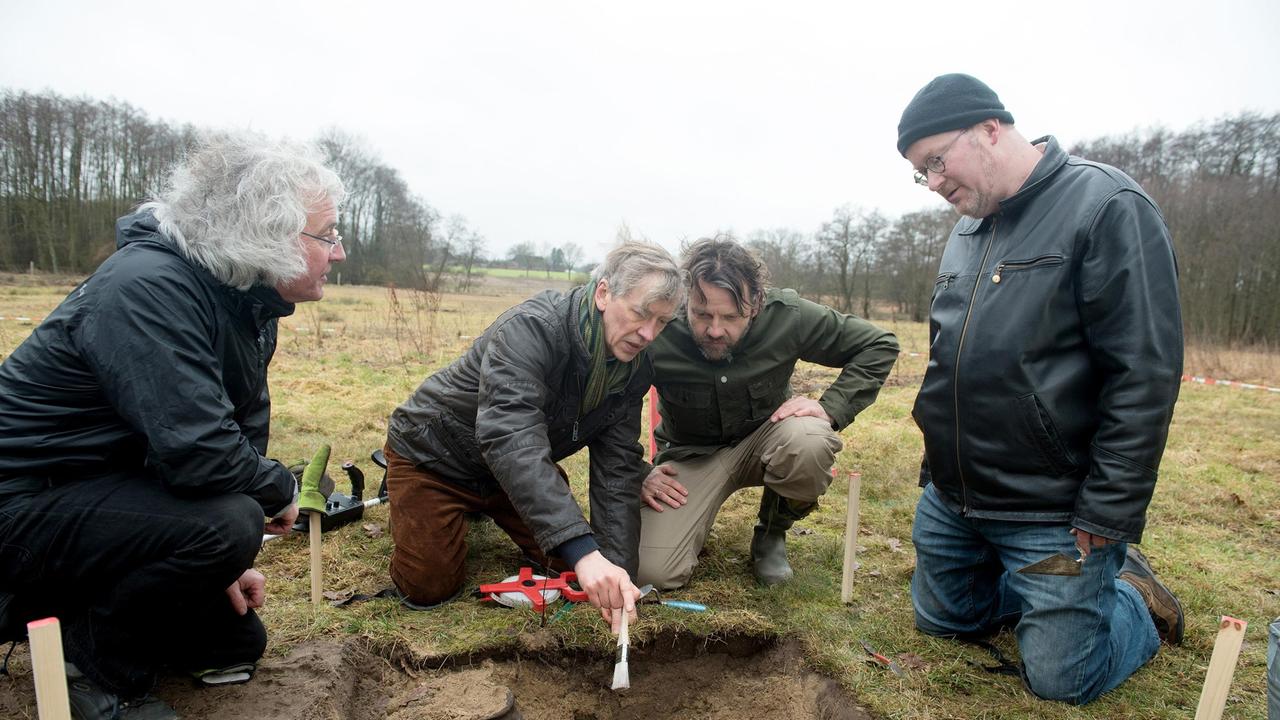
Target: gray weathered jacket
(501, 416)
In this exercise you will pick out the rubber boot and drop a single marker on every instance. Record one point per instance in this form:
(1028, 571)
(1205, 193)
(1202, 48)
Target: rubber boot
(769, 540)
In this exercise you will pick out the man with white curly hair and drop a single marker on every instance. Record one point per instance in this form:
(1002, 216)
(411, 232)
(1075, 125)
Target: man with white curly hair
(134, 482)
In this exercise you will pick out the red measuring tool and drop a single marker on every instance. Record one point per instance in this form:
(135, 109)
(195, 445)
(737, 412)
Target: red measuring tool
(529, 590)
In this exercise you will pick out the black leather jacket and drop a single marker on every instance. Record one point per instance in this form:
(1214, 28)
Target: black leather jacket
(501, 416)
(1055, 353)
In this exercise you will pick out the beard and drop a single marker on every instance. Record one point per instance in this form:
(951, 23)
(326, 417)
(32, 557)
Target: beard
(975, 206)
(716, 352)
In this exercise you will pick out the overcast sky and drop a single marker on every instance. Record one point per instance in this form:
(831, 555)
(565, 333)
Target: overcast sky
(556, 121)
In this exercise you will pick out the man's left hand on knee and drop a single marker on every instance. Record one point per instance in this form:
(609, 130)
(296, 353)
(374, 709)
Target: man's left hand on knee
(662, 487)
(799, 406)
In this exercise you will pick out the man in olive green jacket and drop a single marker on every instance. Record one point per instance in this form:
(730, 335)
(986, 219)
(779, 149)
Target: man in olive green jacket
(729, 419)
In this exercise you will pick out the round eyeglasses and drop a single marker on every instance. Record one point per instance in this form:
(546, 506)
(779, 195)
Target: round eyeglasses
(935, 164)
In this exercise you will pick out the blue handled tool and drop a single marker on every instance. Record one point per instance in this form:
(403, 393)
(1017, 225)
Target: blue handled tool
(679, 604)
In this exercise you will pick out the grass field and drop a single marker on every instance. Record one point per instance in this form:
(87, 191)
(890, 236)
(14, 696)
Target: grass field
(1213, 533)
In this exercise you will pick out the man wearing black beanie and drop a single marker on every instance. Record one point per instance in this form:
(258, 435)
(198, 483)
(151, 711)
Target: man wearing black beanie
(1054, 363)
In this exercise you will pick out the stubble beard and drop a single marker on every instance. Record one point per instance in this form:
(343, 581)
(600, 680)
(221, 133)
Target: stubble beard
(725, 352)
(726, 356)
(975, 206)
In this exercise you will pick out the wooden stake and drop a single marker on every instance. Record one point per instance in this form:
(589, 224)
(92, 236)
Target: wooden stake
(654, 420)
(851, 537)
(48, 668)
(1222, 665)
(313, 525)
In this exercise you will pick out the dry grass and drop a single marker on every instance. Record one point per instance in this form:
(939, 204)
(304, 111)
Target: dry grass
(339, 372)
(1257, 365)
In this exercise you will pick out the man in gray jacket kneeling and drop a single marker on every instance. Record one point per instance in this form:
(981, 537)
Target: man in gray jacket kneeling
(552, 375)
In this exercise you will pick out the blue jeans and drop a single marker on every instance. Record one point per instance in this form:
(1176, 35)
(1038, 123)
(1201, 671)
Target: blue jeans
(1079, 636)
(1273, 670)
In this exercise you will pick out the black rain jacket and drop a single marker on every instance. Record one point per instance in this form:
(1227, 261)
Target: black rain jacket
(1055, 353)
(150, 367)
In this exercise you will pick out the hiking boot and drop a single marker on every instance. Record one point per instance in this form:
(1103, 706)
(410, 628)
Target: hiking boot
(769, 561)
(1165, 609)
(89, 701)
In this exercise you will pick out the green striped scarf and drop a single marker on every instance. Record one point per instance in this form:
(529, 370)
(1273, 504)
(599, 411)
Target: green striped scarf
(605, 375)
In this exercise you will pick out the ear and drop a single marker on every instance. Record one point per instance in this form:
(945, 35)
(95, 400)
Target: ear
(602, 295)
(990, 130)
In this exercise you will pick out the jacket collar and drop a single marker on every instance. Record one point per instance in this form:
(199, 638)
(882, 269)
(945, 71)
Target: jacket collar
(1054, 158)
(258, 302)
(265, 303)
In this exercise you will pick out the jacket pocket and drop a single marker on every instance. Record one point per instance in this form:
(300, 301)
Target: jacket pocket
(769, 392)
(1009, 266)
(459, 438)
(689, 410)
(1043, 435)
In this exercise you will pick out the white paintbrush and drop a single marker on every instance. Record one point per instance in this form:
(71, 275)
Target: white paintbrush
(621, 675)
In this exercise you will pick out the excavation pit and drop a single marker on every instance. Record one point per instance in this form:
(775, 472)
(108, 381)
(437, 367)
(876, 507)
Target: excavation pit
(740, 678)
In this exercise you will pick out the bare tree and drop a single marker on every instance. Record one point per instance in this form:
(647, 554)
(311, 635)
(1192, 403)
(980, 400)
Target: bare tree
(785, 251)
(572, 254)
(472, 246)
(524, 255)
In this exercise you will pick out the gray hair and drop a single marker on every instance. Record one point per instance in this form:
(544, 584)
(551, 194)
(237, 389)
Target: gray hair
(237, 203)
(631, 262)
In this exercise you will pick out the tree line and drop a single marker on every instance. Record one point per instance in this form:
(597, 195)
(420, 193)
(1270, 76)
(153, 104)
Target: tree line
(70, 166)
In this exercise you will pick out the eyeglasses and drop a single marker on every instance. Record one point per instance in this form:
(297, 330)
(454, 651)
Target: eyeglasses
(935, 164)
(332, 242)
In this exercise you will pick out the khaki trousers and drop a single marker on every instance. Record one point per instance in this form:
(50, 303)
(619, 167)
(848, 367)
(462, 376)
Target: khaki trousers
(793, 457)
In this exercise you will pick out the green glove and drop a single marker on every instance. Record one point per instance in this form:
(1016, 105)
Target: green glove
(310, 498)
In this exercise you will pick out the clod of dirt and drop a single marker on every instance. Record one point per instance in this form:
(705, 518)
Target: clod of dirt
(537, 642)
(462, 695)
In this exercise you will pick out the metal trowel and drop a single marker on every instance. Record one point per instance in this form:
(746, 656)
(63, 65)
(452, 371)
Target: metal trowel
(1059, 564)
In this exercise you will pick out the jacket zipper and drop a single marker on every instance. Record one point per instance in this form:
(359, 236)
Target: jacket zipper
(1023, 265)
(945, 280)
(955, 382)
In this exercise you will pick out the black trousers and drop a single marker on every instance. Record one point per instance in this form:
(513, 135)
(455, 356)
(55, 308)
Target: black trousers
(136, 576)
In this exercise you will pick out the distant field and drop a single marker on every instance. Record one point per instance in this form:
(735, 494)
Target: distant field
(1214, 528)
(577, 277)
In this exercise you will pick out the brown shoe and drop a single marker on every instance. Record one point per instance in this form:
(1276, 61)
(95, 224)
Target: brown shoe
(1165, 609)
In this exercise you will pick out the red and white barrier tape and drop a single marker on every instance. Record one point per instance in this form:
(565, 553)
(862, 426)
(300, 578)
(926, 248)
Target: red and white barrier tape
(1185, 378)
(1230, 383)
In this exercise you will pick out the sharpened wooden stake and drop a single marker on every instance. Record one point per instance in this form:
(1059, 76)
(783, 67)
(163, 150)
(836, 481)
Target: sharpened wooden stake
(851, 537)
(48, 668)
(1222, 665)
(313, 525)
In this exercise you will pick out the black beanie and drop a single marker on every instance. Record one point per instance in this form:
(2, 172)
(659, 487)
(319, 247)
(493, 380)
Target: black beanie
(948, 102)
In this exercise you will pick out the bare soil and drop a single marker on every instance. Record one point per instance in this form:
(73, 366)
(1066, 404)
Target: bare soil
(684, 677)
